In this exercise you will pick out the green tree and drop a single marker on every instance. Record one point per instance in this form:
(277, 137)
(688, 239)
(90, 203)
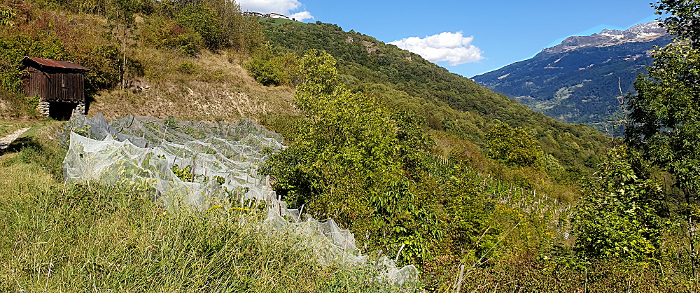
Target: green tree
(665, 113)
(206, 22)
(343, 154)
(665, 125)
(353, 160)
(683, 18)
(220, 23)
(513, 146)
(618, 216)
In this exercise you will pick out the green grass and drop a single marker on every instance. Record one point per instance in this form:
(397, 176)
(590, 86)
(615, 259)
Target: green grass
(8, 127)
(64, 238)
(277, 21)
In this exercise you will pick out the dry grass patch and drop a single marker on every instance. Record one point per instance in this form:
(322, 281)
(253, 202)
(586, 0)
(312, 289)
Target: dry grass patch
(210, 87)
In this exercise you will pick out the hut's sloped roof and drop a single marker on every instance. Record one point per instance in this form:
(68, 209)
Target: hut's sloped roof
(48, 63)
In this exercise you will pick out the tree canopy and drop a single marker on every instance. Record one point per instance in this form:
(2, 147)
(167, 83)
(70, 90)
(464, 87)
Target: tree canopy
(664, 115)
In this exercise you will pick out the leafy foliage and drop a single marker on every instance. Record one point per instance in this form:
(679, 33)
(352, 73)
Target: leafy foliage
(618, 217)
(345, 147)
(167, 33)
(665, 127)
(6, 16)
(682, 18)
(205, 22)
(355, 161)
(219, 23)
(447, 101)
(269, 68)
(664, 112)
(513, 147)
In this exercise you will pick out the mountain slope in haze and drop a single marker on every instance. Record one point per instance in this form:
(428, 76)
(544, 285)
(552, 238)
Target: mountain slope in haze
(448, 101)
(579, 80)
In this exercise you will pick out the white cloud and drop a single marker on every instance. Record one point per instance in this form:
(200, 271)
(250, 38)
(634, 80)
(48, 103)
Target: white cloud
(277, 6)
(451, 47)
(301, 16)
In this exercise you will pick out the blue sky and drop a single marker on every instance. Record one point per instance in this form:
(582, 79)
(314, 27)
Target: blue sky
(467, 37)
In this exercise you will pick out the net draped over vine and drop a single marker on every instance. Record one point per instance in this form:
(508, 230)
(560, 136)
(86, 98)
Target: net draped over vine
(215, 163)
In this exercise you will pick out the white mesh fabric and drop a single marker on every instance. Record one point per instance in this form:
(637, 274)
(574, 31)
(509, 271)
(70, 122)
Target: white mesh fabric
(140, 152)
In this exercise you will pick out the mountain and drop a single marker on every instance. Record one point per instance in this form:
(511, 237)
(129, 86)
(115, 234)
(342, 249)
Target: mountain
(579, 80)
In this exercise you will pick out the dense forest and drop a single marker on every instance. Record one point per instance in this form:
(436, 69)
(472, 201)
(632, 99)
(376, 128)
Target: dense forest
(424, 166)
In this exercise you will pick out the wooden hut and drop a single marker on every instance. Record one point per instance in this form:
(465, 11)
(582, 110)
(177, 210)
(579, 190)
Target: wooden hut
(59, 85)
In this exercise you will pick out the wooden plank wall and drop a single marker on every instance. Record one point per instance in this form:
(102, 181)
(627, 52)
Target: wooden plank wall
(56, 87)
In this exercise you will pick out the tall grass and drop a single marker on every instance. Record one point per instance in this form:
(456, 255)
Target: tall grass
(63, 238)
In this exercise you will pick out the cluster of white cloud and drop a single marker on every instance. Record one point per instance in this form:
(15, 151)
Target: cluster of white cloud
(301, 16)
(451, 47)
(277, 6)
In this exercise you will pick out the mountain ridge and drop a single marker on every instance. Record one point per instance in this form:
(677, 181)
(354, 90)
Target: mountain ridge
(642, 32)
(579, 80)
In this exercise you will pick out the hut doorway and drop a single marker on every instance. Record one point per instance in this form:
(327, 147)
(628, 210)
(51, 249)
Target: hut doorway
(61, 111)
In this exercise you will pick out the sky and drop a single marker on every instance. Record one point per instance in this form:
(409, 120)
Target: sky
(466, 37)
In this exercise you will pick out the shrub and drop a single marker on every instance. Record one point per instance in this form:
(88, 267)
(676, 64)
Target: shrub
(513, 146)
(618, 216)
(166, 33)
(269, 68)
(206, 23)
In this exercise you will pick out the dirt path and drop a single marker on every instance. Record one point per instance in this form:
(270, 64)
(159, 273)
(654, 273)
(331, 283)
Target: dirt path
(7, 140)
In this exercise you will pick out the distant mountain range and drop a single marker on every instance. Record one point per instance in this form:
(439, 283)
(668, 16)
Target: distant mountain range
(579, 80)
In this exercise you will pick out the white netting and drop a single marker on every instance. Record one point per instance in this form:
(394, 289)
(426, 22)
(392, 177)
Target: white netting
(218, 163)
(221, 160)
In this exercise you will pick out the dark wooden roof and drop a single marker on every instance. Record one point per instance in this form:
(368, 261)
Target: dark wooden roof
(48, 64)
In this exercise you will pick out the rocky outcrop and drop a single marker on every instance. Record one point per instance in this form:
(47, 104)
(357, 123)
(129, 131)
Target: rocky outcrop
(644, 32)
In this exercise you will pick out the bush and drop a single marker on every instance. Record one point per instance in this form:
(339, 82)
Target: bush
(269, 68)
(618, 216)
(206, 23)
(513, 147)
(166, 33)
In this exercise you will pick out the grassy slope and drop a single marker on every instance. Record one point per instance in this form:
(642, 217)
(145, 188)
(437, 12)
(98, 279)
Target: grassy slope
(213, 86)
(160, 82)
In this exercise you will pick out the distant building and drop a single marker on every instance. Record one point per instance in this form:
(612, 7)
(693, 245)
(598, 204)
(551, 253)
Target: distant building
(277, 15)
(60, 86)
(269, 15)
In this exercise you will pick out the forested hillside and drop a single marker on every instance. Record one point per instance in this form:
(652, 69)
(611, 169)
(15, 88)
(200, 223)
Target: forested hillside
(448, 101)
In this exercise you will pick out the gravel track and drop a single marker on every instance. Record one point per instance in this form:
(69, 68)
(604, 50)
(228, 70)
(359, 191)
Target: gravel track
(7, 140)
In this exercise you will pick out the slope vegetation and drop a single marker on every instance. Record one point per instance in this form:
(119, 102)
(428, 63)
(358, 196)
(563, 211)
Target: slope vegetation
(448, 101)
(425, 166)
